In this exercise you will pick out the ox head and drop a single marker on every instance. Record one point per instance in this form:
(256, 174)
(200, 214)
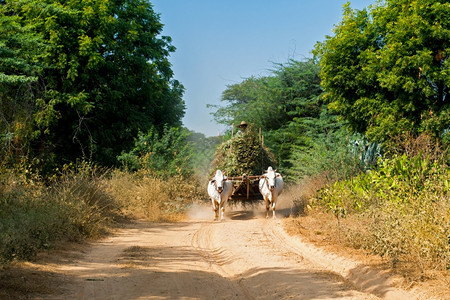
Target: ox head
(270, 176)
(218, 180)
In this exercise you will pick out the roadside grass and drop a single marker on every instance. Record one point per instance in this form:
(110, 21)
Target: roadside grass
(82, 202)
(399, 211)
(142, 195)
(35, 214)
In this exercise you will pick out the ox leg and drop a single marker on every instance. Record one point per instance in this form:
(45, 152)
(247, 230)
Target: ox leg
(273, 210)
(216, 210)
(222, 213)
(267, 208)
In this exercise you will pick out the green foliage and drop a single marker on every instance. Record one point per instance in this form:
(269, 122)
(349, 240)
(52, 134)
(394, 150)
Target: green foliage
(248, 100)
(20, 65)
(20, 50)
(331, 156)
(103, 72)
(272, 101)
(406, 201)
(386, 70)
(203, 153)
(243, 154)
(286, 106)
(367, 153)
(166, 155)
(177, 151)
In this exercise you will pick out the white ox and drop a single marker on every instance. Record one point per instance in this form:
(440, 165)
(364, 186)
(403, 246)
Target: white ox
(271, 186)
(219, 190)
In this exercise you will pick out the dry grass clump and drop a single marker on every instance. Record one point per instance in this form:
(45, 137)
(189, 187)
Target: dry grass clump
(142, 195)
(301, 193)
(34, 215)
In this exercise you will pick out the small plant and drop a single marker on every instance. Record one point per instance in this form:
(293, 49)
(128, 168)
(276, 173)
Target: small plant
(367, 153)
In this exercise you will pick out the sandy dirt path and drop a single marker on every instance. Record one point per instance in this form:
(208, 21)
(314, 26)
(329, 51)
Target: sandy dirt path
(243, 257)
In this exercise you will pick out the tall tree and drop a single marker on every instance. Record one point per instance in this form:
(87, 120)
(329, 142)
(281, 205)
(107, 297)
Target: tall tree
(106, 74)
(270, 102)
(286, 105)
(247, 101)
(386, 71)
(20, 49)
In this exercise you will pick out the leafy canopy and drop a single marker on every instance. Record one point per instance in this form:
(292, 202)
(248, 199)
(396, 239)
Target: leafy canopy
(105, 72)
(287, 106)
(20, 65)
(385, 70)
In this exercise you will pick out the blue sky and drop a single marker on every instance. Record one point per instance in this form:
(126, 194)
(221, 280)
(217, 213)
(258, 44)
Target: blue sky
(220, 43)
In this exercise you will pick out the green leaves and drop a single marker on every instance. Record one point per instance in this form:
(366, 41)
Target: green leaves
(394, 57)
(285, 105)
(99, 69)
(164, 155)
(404, 203)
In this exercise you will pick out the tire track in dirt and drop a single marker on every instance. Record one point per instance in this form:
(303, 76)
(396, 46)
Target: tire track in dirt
(201, 241)
(264, 265)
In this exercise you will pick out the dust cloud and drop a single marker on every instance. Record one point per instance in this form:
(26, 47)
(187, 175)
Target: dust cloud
(237, 210)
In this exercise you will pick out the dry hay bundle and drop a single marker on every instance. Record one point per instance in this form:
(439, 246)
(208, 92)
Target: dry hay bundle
(243, 154)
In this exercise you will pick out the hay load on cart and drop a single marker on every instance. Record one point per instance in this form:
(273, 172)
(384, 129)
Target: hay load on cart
(243, 158)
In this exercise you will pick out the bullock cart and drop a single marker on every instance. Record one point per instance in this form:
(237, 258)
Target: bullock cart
(245, 188)
(244, 153)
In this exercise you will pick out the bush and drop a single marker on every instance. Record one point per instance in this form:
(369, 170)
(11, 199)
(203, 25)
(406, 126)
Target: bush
(406, 201)
(336, 156)
(82, 202)
(166, 155)
(33, 216)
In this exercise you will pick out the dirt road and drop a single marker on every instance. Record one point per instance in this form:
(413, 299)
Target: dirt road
(243, 257)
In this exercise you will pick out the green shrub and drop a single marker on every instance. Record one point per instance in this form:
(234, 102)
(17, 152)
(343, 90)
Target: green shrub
(407, 203)
(333, 155)
(166, 155)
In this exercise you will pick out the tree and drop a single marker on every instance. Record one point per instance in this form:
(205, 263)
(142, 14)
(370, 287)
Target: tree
(247, 101)
(20, 66)
(269, 102)
(386, 71)
(286, 105)
(165, 155)
(106, 75)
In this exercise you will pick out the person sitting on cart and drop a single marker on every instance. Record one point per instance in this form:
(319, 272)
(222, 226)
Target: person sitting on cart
(243, 127)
